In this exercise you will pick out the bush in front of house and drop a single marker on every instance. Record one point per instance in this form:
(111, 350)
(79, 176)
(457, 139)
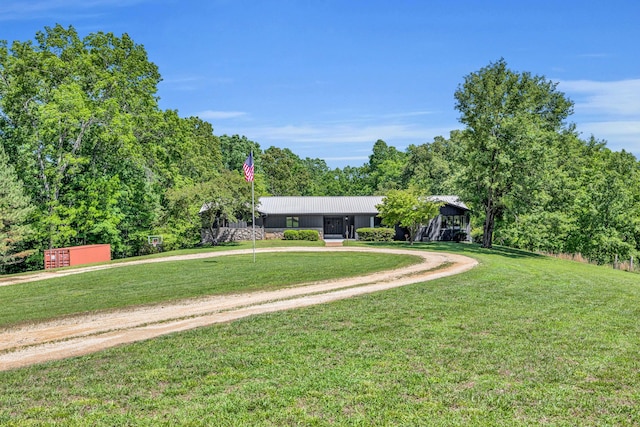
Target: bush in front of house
(376, 234)
(291, 235)
(311, 235)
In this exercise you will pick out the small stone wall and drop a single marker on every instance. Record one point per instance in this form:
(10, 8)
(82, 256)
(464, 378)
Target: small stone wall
(233, 234)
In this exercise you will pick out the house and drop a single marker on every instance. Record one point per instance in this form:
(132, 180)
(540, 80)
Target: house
(340, 217)
(332, 217)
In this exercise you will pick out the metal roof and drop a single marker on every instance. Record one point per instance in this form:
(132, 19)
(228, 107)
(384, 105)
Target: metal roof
(329, 205)
(449, 200)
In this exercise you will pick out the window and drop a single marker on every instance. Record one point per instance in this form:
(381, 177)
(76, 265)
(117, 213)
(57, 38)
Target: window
(292, 222)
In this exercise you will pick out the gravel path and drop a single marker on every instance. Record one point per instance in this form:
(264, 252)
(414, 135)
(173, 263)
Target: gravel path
(77, 335)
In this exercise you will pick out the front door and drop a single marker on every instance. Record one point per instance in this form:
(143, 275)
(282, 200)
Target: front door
(333, 225)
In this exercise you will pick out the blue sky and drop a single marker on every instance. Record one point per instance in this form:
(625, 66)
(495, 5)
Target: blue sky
(327, 78)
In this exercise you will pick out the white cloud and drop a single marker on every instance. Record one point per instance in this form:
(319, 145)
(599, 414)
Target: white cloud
(609, 111)
(618, 134)
(604, 98)
(218, 115)
(347, 133)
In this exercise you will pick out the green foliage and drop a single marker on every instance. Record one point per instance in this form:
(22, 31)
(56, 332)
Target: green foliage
(74, 108)
(213, 204)
(407, 209)
(432, 167)
(285, 172)
(309, 235)
(348, 181)
(15, 212)
(380, 234)
(512, 121)
(385, 167)
(291, 235)
(235, 150)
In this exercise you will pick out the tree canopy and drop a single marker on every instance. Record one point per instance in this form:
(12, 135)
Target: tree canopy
(512, 123)
(409, 209)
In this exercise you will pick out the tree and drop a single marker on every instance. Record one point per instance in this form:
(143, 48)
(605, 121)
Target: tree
(385, 167)
(407, 209)
(285, 173)
(71, 107)
(607, 207)
(226, 198)
(348, 181)
(15, 210)
(431, 167)
(235, 150)
(512, 121)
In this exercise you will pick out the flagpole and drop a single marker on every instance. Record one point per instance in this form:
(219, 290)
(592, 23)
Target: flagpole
(253, 216)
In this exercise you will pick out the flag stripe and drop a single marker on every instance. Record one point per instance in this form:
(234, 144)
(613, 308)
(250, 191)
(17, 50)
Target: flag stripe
(247, 167)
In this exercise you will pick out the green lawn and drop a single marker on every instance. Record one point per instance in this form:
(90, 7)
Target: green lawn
(160, 282)
(519, 340)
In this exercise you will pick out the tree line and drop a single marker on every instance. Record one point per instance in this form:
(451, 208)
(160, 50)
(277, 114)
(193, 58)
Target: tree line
(87, 156)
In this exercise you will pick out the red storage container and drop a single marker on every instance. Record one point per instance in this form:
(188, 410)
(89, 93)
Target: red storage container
(76, 255)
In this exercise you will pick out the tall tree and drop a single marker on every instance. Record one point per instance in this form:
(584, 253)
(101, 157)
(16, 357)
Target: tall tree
(431, 166)
(512, 120)
(235, 150)
(385, 167)
(15, 210)
(348, 181)
(285, 173)
(607, 207)
(71, 107)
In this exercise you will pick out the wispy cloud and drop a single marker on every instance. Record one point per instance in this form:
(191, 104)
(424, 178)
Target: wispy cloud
(604, 98)
(218, 115)
(618, 134)
(593, 55)
(608, 111)
(344, 133)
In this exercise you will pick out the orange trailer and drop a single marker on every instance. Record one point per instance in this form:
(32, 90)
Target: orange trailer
(76, 255)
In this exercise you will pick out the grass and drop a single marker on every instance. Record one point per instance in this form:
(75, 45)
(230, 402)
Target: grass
(520, 340)
(160, 282)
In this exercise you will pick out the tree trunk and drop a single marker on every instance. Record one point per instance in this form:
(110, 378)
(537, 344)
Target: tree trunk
(489, 222)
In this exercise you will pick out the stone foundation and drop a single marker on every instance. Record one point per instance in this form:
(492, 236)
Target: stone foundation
(233, 234)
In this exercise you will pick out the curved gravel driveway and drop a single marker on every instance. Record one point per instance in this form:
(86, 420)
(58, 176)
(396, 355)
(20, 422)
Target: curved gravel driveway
(77, 335)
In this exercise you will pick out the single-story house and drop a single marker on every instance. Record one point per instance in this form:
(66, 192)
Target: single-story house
(340, 217)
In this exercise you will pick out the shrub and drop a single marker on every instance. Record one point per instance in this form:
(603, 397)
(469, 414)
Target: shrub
(311, 235)
(476, 234)
(376, 234)
(291, 235)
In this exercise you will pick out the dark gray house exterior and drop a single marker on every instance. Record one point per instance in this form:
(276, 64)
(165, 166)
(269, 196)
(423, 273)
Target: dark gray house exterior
(340, 217)
(332, 217)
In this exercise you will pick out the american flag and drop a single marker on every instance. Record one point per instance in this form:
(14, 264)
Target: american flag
(247, 167)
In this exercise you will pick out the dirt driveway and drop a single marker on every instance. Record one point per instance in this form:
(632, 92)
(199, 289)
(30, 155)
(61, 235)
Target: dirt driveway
(83, 334)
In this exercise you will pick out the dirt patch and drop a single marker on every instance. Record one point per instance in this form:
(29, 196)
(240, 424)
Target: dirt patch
(83, 334)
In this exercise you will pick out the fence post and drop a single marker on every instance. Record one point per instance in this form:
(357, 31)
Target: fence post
(615, 262)
(631, 264)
